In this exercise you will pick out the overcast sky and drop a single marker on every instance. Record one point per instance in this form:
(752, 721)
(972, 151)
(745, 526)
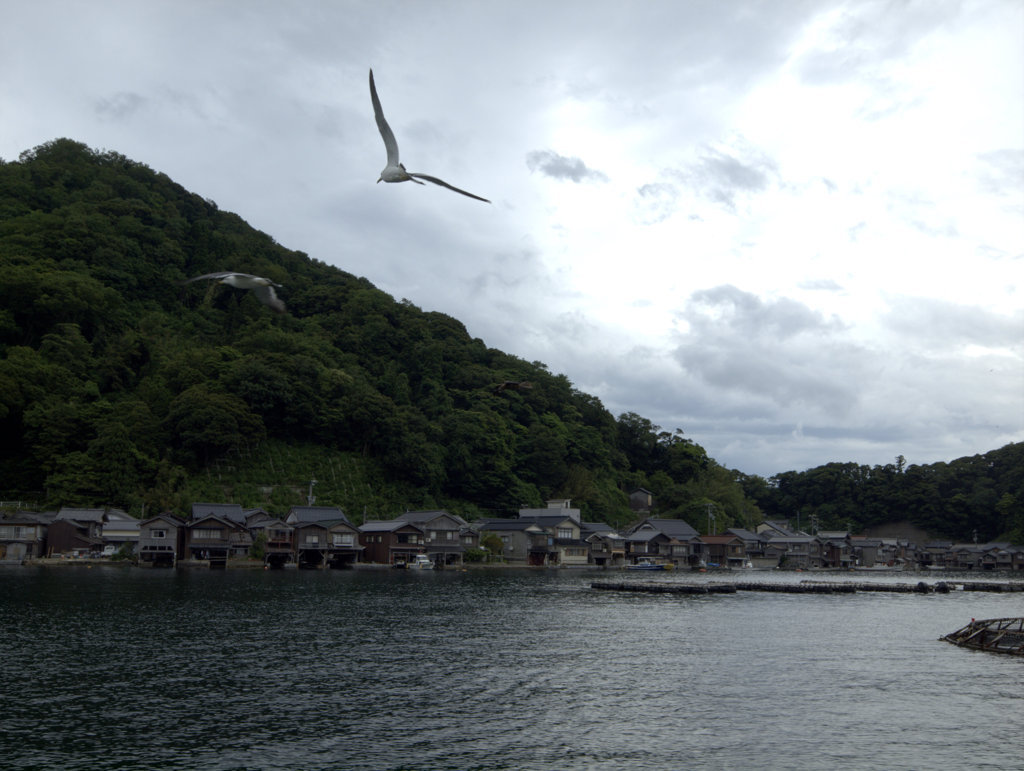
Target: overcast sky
(794, 230)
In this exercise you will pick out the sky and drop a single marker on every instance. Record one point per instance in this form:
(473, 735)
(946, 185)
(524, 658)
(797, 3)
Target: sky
(792, 230)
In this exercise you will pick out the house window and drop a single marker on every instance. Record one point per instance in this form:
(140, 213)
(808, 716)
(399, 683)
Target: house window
(451, 535)
(157, 533)
(433, 535)
(565, 532)
(204, 534)
(312, 540)
(342, 539)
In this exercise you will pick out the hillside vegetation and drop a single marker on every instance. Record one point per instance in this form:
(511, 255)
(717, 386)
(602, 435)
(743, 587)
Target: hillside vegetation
(120, 387)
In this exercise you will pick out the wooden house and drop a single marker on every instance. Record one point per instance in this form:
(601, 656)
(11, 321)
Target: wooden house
(161, 541)
(664, 540)
(445, 535)
(391, 542)
(23, 536)
(277, 535)
(327, 543)
(71, 538)
(214, 539)
(725, 550)
(606, 547)
(523, 542)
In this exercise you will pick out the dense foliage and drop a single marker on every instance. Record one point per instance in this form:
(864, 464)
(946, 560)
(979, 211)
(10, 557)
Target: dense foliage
(980, 497)
(118, 386)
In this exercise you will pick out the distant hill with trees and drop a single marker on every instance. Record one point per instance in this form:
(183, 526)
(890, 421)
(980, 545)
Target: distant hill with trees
(119, 386)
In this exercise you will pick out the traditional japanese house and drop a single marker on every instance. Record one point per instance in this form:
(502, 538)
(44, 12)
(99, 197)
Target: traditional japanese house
(161, 541)
(391, 542)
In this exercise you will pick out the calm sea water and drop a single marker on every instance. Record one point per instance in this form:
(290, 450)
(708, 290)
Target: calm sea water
(121, 668)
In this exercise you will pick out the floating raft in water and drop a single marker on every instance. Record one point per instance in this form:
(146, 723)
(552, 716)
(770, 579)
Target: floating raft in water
(1000, 635)
(664, 587)
(804, 587)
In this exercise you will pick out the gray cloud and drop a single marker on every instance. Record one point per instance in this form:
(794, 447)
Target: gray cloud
(657, 202)
(120, 106)
(1001, 172)
(773, 352)
(720, 177)
(944, 325)
(558, 166)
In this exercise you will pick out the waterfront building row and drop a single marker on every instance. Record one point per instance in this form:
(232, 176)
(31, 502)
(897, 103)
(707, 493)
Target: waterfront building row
(555, 535)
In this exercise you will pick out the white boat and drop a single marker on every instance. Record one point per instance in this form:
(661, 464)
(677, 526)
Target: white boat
(420, 562)
(645, 564)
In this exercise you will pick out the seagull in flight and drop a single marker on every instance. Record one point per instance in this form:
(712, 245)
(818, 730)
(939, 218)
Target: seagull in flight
(263, 288)
(395, 171)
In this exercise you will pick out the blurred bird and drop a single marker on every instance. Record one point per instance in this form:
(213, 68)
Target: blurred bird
(263, 288)
(395, 171)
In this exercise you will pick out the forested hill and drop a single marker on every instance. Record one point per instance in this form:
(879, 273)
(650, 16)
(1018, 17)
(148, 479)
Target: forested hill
(118, 386)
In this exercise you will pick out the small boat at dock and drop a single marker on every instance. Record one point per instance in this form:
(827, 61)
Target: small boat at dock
(645, 564)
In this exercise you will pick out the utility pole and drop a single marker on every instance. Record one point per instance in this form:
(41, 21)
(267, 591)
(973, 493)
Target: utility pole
(310, 499)
(711, 520)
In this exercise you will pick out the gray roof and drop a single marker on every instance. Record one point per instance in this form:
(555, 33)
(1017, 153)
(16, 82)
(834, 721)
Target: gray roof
(674, 528)
(167, 517)
(80, 515)
(548, 519)
(504, 525)
(746, 535)
(386, 525)
(590, 528)
(422, 517)
(305, 514)
(229, 511)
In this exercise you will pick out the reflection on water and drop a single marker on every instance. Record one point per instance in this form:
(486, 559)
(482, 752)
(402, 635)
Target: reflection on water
(113, 668)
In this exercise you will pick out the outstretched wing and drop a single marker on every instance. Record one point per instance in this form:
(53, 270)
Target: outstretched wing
(382, 125)
(222, 274)
(442, 183)
(267, 296)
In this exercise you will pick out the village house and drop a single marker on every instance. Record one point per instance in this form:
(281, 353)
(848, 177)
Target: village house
(120, 531)
(23, 536)
(391, 541)
(640, 501)
(161, 541)
(323, 537)
(447, 535)
(523, 541)
(664, 540)
(798, 551)
(216, 539)
(724, 551)
(836, 548)
(277, 536)
(607, 547)
(562, 523)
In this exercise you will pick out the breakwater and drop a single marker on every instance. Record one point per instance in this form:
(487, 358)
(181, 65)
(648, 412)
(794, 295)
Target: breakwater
(806, 587)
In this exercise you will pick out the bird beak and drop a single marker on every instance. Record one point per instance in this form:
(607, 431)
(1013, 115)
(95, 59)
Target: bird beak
(379, 179)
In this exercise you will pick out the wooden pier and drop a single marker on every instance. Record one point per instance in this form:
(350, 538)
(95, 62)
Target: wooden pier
(805, 587)
(999, 635)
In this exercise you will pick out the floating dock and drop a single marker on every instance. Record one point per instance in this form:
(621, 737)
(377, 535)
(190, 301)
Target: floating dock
(999, 635)
(804, 587)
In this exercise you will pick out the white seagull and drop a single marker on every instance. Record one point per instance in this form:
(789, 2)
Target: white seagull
(263, 288)
(395, 171)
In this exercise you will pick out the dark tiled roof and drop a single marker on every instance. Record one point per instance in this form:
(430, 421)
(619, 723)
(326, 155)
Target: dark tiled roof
(305, 514)
(80, 515)
(230, 511)
(674, 528)
(423, 517)
(386, 526)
